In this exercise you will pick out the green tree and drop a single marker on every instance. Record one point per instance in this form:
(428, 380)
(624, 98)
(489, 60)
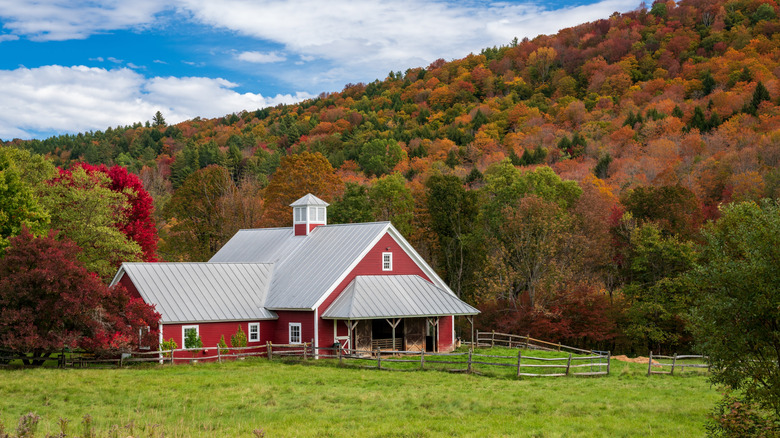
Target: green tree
(158, 120)
(353, 206)
(19, 207)
(454, 211)
(378, 156)
(657, 289)
(392, 201)
(736, 321)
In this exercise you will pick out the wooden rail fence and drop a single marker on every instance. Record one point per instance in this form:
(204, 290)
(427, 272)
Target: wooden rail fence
(492, 339)
(679, 361)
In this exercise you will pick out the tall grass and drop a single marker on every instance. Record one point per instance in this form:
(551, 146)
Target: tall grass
(317, 398)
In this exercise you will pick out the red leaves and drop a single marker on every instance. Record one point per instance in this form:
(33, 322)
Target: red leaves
(49, 301)
(137, 222)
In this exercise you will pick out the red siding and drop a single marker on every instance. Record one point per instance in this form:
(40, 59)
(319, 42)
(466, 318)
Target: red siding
(281, 333)
(210, 333)
(371, 264)
(446, 343)
(300, 229)
(128, 284)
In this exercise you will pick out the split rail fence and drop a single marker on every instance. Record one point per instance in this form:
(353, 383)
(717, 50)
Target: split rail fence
(679, 361)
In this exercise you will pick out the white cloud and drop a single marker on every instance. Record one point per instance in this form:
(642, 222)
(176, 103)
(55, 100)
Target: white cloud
(261, 58)
(8, 37)
(74, 99)
(378, 35)
(57, 20)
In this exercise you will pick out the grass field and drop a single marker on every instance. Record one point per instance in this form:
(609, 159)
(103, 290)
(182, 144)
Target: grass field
(321, 399)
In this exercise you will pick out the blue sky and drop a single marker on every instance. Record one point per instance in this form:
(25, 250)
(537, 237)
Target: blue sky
(70, 66)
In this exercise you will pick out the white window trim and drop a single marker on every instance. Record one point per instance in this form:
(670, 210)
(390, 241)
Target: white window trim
(184, 332)
(141, 333)
(249, 332)
(290, 330)
(389, 255)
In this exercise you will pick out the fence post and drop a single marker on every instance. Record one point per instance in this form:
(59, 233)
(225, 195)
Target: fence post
(674, 361)
(219, 354)
(649, 363)
(171, 356)
(338, 353)
(609, 355)
(519, 357)
(493, 339)
(559, 346)
(269, 349)
(422, 359)
(305, 351)
(469, 368)
(568, 365)
(378, 359)
(527, 340)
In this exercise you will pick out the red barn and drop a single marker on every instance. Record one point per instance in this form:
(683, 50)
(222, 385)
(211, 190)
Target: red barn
(362, 285)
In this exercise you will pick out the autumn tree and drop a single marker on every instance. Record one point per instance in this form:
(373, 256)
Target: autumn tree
(675, 209)
(378, 156)
(85, 210)
(353, 206)
(195, 230)
(49, 301)
(296, 176)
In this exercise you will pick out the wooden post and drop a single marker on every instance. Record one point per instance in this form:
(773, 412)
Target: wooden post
(471, 320)
(171, 356)
(338, 353)
(559, 346)
(219, 354)
(469, 368)
(674, 362)
(649, 363)
(527, 340)
(378, 359)
(493, 339)
(269, 349)
(305, 350)
(609, 361)
(568, 365)
(422, 359)
(519, 358)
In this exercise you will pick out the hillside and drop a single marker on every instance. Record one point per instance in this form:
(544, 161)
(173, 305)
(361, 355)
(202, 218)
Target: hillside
(649, 120)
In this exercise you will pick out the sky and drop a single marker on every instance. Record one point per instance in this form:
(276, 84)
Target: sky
(69, 66)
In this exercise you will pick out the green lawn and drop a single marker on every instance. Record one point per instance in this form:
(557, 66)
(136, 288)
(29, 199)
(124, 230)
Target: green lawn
(321, 399)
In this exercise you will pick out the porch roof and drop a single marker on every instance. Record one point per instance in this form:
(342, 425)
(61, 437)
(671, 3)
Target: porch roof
(394, 296)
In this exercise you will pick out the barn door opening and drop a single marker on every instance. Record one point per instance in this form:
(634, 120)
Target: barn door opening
(432, 335)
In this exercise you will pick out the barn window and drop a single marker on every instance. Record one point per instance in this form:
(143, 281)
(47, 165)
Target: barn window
(254, 332)
(186, 329)
(295, 332)
(300, 214)
(143, 331)
(387, 261)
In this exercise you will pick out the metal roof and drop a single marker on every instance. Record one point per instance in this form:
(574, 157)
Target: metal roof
(190, 292)
(394, 296)
(309, 199)
(265, 245)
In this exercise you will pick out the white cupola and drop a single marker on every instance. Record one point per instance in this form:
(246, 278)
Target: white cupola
(309, 212)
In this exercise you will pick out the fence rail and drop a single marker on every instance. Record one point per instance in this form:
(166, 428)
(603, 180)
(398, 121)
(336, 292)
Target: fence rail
(492, 339)
(679, 361)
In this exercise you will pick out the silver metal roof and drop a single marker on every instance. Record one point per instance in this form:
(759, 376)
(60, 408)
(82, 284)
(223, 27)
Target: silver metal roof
(394, 296)
(190, 292)
(264, 245)
(309, 199)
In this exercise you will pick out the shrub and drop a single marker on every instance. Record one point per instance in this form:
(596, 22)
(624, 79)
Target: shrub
(239, 339)
(223, 348)
(168, 345)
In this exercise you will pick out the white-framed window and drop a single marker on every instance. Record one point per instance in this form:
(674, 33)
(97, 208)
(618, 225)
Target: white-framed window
(143, 331)
(387, 261)
(320, 214)
(184, 330)
(300, 214)
(295, 332)
(253, 333)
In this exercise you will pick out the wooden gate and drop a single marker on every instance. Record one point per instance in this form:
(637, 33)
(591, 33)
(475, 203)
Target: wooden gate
(363, 335)
(414, 334)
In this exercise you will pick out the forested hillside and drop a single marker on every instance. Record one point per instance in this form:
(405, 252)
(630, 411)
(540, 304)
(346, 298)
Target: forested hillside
(558, 183)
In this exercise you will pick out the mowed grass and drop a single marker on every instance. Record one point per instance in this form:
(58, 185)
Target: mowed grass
(317, 398)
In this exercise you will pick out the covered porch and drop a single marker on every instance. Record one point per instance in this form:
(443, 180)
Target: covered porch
(396, 313)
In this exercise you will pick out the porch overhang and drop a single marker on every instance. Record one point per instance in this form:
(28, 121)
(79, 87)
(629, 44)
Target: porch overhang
(394, 296)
